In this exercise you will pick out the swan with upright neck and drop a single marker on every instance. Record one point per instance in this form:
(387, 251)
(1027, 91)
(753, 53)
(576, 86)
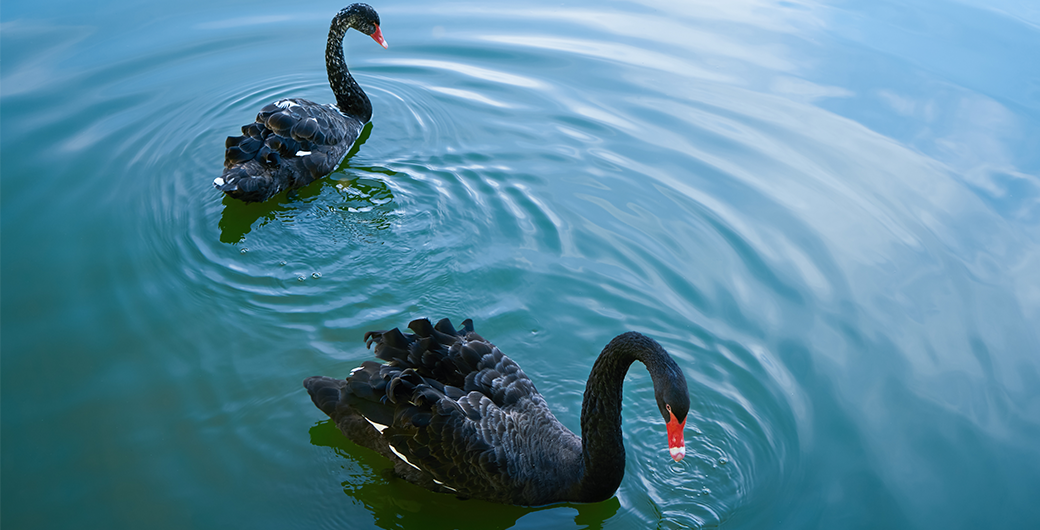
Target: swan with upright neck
(294, 141)
(457, 416)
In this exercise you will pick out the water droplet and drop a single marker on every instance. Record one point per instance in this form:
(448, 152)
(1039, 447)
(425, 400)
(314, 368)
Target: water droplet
(723, 461)
(282, 263)
(301, 278)
(705, 491)
(243, 251)
(315, 275)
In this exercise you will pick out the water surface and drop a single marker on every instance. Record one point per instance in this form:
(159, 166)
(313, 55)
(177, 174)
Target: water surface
(828, 213)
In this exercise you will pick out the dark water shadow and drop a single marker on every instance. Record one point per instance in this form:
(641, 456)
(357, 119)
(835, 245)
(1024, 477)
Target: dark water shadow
(399, 504)
(239, 218)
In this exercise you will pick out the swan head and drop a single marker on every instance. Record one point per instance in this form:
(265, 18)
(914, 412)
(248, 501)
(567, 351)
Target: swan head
(673, 401)
(362, 18)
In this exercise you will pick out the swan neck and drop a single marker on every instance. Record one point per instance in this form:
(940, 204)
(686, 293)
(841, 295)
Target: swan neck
(603, 448)
(350, 98)
(602, 444)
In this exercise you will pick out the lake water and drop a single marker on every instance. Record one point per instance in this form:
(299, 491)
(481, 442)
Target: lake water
(828, 212)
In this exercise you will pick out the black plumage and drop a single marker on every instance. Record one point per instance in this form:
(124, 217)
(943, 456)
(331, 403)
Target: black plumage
(295, 141)
(456, 415)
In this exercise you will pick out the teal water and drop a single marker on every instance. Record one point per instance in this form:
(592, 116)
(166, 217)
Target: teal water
(828, 212)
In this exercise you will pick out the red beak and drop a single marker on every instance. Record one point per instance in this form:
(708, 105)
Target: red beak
(676, 445)
(378, 36)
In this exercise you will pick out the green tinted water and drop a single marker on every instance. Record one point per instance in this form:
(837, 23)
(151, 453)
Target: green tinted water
(828, 213)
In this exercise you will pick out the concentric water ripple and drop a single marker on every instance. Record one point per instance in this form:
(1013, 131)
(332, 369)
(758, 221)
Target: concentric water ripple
(459, 202)
(430, 203)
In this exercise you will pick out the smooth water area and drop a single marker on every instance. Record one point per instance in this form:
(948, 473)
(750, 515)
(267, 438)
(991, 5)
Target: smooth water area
(828, 212)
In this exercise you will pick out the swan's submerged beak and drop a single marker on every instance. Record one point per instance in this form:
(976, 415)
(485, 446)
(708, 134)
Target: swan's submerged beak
(377, 36)
(676, 444)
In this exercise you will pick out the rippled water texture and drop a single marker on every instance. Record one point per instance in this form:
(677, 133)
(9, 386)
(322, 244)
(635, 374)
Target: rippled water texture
(828, 212)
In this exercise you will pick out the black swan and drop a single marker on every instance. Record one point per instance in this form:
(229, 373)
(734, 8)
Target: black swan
(293, 141)
(457, 416)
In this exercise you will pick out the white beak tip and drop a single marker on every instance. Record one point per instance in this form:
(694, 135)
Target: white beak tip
(677, 452)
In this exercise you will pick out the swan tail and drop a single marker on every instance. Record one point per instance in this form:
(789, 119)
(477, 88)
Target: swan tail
(292, 143)
(326, 393)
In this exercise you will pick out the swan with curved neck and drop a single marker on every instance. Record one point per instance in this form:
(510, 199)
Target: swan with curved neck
(295, 141)
(457, 416)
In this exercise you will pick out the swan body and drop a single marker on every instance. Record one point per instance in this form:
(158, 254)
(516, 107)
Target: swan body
(295, 141)
(456, 415)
